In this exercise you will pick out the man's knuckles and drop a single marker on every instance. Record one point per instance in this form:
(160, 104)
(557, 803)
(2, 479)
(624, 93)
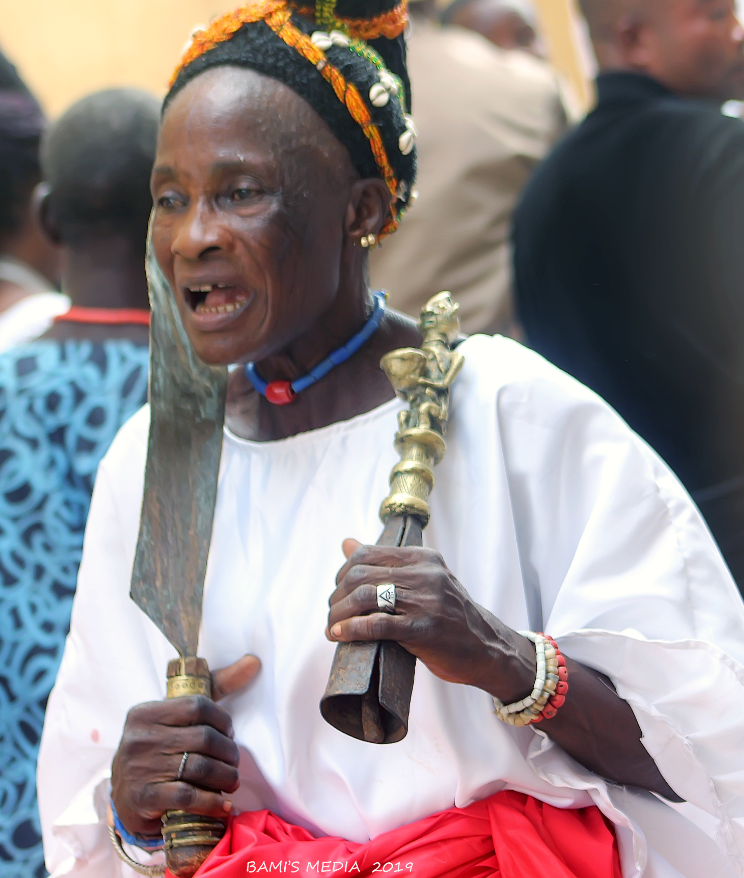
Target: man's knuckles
(146, 714)
(184, 796)
(378, 626)
(206, 772)
(192, 710)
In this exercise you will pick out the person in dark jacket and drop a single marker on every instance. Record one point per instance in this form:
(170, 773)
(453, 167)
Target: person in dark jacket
(629, 244)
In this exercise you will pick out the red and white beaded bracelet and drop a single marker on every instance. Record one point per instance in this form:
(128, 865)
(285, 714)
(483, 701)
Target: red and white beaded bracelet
(549, 692)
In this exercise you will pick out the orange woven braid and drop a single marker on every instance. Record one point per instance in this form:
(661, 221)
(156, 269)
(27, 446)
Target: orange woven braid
(277, 15)
(279, 21)
(223, 28)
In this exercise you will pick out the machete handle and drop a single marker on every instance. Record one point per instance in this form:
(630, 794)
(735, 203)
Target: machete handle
(189, 838)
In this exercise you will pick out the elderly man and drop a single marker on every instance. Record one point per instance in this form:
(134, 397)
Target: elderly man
(286, 150)
(628, 241)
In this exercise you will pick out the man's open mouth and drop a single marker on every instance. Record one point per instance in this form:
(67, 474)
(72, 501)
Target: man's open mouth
(216, 298)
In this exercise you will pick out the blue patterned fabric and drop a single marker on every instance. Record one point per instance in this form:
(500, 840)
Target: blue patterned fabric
(61, 404)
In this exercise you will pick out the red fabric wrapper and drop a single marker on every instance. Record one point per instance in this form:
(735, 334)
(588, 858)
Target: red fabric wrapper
(509, 835)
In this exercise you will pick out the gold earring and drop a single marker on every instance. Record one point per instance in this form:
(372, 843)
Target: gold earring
(371, 240)
(364, 241)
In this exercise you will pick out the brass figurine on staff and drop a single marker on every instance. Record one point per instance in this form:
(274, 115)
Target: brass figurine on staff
(422, 377)
(369, 690)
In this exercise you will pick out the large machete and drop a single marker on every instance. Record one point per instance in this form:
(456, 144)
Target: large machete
(187, 413)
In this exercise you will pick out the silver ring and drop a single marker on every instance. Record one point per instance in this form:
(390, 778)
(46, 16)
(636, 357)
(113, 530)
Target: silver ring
(183, 766)
(386, 597)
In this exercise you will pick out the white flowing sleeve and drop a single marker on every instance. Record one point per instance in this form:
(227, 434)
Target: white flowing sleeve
(620, 568)
(113, 658)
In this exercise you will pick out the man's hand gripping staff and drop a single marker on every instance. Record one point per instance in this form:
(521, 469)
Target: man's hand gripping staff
(370, 686)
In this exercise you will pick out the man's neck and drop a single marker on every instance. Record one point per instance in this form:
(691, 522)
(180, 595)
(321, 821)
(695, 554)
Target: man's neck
(105, 273)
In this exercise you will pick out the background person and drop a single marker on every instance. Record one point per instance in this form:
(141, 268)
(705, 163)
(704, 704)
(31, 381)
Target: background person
(62, 399)
(508, 24)
(485, 118)
(29, 261)
(628, 244)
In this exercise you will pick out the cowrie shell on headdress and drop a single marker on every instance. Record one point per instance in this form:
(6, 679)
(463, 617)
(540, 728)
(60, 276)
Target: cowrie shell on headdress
(388, 81)
(322, 40)
(378, 95)
(339, 39)
(410, 124)
(407, 141)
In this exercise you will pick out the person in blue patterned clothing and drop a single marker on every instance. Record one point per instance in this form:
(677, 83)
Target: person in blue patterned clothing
(62, 400)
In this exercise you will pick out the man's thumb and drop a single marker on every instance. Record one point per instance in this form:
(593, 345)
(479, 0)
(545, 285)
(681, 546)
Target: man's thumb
(235, 677)
(350, 546)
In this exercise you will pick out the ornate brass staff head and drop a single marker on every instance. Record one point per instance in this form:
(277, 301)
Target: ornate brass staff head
(369, 690)
(439, 316)
(423, 378)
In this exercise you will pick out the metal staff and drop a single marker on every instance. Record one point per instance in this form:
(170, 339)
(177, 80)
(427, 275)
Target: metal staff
(369, 690)
(187, 413)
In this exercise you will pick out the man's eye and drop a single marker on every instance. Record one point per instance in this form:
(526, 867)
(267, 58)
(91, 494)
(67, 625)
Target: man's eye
(168, 202)
(242, 194)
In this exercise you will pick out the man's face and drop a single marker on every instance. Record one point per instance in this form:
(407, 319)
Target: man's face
(696, 48)
(250, 192)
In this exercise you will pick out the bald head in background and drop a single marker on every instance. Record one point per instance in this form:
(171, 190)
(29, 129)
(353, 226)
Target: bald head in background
(508, 24)
(693, 47)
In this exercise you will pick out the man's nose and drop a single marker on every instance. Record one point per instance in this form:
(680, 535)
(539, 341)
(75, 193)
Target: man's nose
(198, 231)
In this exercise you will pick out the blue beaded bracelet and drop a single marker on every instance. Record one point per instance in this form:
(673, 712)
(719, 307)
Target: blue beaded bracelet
(147, 844)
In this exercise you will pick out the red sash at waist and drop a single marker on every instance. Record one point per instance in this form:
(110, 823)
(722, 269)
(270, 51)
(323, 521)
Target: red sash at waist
(508, 835)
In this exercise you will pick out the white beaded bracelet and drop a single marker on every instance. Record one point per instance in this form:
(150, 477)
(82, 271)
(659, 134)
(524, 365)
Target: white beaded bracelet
(522, 713)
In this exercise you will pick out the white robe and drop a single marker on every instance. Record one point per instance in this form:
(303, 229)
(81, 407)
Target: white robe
(552, 514)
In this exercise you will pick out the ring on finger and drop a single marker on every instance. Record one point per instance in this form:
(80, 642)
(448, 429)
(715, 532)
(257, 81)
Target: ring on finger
(182, 767)
(386, 597)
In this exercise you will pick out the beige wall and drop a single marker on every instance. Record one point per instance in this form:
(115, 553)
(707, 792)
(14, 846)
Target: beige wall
(67, 48)
(559, 22)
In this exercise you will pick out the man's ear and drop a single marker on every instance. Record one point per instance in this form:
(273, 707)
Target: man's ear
(369, 207)
(634, 43)
(41, 207)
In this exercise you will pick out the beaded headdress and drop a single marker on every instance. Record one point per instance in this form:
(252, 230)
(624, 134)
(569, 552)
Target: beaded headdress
(346, 58)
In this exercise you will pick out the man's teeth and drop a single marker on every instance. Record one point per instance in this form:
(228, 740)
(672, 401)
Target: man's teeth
(227, 308)
(207, 288)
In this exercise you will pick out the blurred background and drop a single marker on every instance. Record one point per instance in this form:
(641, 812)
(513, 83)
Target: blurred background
(86, 45)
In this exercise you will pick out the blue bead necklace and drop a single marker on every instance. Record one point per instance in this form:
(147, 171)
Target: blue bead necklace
(284, 392)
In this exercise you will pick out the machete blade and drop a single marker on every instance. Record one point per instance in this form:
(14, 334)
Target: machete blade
(187, 413)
